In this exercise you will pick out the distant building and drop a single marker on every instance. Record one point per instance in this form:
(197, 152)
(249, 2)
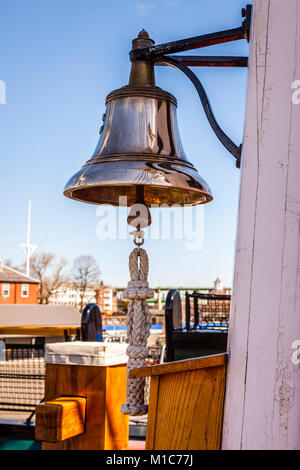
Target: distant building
(16, 288)
(104, 296)
(67, 295)
(219, 288)
(107, 299)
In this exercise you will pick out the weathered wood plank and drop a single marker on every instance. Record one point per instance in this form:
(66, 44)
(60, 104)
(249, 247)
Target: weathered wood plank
(152, 413)
(116, 424)
(179, 366)
(185, 411)
(39, 330)
(263, 387)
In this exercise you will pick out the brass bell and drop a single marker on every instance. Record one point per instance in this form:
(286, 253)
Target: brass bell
(139, 153)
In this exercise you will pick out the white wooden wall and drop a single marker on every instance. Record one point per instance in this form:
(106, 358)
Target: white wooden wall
(262, 405)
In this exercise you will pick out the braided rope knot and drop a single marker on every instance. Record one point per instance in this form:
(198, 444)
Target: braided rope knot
(138, 329)
(138, 283)
(138, 293)
(133, 410)
(137, 351)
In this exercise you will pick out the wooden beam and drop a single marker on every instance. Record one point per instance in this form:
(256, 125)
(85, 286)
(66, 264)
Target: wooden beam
(60, 419)
(179, 366)
(37, 330)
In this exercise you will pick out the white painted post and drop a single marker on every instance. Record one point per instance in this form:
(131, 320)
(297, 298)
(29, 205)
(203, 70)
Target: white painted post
(262, 404)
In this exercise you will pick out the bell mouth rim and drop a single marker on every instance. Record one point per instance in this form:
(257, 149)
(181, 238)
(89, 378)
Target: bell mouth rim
(133, 156)
(69, 193)
(145, 92)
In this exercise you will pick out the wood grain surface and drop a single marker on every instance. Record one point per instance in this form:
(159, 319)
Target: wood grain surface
(104, 388)
(39, 330)
(60, 419)
(179, 366)
(186, 407)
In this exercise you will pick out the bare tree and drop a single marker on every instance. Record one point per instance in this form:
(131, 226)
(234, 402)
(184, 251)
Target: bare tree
(39, 264)
(55, 280)
(85, 272)
(43, 268)
(10, 264)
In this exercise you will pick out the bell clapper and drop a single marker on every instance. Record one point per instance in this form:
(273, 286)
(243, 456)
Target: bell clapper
(139, 215)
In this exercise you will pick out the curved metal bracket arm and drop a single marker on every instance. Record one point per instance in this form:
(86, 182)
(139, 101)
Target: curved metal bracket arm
(205, 40)
(224, 139)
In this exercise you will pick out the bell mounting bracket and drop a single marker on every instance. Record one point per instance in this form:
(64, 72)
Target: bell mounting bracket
(159, 55)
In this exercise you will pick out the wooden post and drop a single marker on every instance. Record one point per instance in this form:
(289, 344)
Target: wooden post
(96, 373)
(263, 387)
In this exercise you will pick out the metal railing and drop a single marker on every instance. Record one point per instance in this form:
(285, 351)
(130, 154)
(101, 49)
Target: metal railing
(204, 330)
(206, 311)
(22, 377)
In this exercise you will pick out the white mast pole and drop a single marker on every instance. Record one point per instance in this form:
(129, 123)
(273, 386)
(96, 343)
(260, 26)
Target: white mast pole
(27, 247)
(28, 239)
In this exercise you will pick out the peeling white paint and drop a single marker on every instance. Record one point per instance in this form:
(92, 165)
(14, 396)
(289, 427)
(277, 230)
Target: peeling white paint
(262, 405)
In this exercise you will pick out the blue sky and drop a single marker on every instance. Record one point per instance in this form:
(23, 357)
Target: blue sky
(59, 60)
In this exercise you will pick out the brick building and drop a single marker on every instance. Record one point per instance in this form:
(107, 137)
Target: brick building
(16, 288)
(106, 298)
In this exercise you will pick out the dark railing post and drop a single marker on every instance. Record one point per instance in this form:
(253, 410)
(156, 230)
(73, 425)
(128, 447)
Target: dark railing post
(66, 335)
(187, 311)
(196, 310)
(91, 323)
(172, 320)
(169, 355)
